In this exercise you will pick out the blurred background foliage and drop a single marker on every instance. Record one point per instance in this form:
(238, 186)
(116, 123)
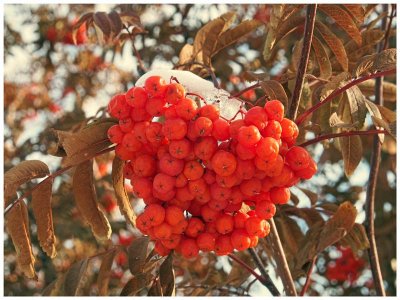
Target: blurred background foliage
(50, 82)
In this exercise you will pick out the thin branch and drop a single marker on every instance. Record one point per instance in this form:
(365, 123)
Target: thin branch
(308, 279)
(305, 54)
(337, 92)
(249, 88)
(372, 181)
(137, 54)
(261, 268)
(280, 258)
(251, 271)
(346, 133)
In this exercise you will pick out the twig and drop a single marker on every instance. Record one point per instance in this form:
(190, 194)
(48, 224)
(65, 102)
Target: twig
(139, 58)
(251, 271)
(308, 279)
(249, 88)
(305, 54)
(372, 181)
(280, 258)
(337, 92)
(264, 273)
(345, 133)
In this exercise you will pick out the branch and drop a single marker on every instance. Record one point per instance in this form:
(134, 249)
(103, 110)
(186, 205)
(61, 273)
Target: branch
(308, 279)
(139, 58)
(249, 88)
(372, 181)
(274, 291)
(305, 54)
(251, 271)
(337, 92)
(346, 133)
(280, 259)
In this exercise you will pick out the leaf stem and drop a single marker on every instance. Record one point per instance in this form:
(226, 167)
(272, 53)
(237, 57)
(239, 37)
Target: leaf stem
(308, 278)
(345, 133)
(337, 92)
(305, 55)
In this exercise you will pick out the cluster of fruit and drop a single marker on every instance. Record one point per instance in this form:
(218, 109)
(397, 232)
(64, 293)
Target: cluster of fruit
(209, 184)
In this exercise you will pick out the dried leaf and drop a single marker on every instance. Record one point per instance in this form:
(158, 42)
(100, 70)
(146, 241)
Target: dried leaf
(389, 89)
(115, 22)
(370, 39)
(252, 76)
(167, 277)
(186, 54)
(334, 43)
(131, 19)
(41, 205)
(383, 61)
(136, 284)
(137, 253)
(352, 152)
(357, 106)
(335, 83)
(123, 202)
(376, 115)
(322, 57)
(274, 90)
(105, 271)
(85, 198)
(18, 229)
(387, 114)
(102, 21)
(84, 19)
(155, 289)
(356, 238)
(336, 122)
(20, 174)
(74, 276)
(343, 19)
(357, 11)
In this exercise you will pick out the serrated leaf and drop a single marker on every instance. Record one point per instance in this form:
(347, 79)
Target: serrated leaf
(105, 271)
(18, 228)
(275, 91)
(167, 277)
(123, 201)
(352, 152)
(86, 201)
(357, 11)
(370, 38)
(231, 36)
(20, 174)
(41, 205)
(137, 254)
(356, 238)
(83, 19)
(74, 276)
(136, 284)
(343, 19)
(322, 57)
(383, 61)
(389, 89)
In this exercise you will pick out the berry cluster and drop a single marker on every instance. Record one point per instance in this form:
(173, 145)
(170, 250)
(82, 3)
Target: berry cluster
(195, 170)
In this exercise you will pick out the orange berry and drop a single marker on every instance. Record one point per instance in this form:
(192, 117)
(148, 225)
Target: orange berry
(240, 239)
(223, 163)
(224, 223)
(195, 227)
(174, 215)
(162, 231)
(206, 241)
(189, 248)
(223, 245)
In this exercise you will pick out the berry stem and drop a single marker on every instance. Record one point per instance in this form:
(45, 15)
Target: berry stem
(346, 133)
(261, 279)
(308, 278)
(51, 177)
(280, 258)
(373, 178)
(337, 92)
(305, 54)
(261, 268)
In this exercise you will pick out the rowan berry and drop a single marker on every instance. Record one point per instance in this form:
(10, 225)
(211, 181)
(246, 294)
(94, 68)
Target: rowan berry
(256, 116)
(240, 239)
(186, 109)
(184, 194)
(145, 165)
(220, 130)
(198, 187)
(245, 153)
(265, 209)
(220, 193)
(206, 241)
(248, 136)
(218, 205)
(195, 227)
(174, 92)
(161, 249)
(140, 114)
(136, 97)
(153, 132)
(180, 148)
(142, 187)
(170, 112)
(224, 223)
(193, 170)
(170, 165)
(205, 147)
(115, 134)
(255, 226)
(118, 108)
(172, 242)
(156, 106)
(126, 125)
(245, 169)
(210, 111)
(250, 187)
(297, 158)
(175, 129)
(162, 231)
(180, 227)
(307, 172)
(163, 183)
(155, 86)
(131, 143)
(273, 129)
(274, 110)
(223, 163)
(203, 126)
(235, 126)
(240, 219)
(208, 214)
(188, 248)
(289, 130)
(280, 195)
(223, 245)
(267, 148)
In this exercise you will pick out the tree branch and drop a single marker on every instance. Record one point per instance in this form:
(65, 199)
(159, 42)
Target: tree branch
(280, 258)
(308, 279)
(305, 54)
(346, 133)
(337, 92)
(137, 54)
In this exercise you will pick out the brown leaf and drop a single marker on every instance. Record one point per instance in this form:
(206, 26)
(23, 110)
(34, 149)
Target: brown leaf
(20, 174)
(74, 276)
(252, 76)
(167, 277)
(18, 229)
(83, 19)
(370, 39)
(335, 83)
(322, 57)
(356, 238)
(131, 19)
(352, 152)
(387, 114)
(376, 115)
(334, 44)
(155, 289)
(123, 201)
(343, 19)
(357, 106)
(41, 205)
(105, 271)
(115, 22)
(357, 11)
(86, 201)
(186, 54)
(136, 284)
(383, 61)
(389, 89)
(137, 254)
(274, 90)
(102, 21)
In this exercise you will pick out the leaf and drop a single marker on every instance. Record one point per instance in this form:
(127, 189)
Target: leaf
(322, 57)
(74, 276)
(357, 106)
(334, 44)
(233, 35)
(41, 205)
(356, 238)
(123, 201)
(383, 61)
(115, 22)
(136, 284)
(18, 229)
(83, 19)
(357, 11)
(323, 234)
(102, 21)
(105, 271)
(186, 54)
(376, 115)
(155, 289)
(85, 198)
(352, 152)
(388, 115)
(389, 89)
(370, 39)
(252, 76)
(20, 174)
(275, 91)
(131, 19)
(167, 277)
(84, 144)
(336, 122)
(343, 19)
(137, 253)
